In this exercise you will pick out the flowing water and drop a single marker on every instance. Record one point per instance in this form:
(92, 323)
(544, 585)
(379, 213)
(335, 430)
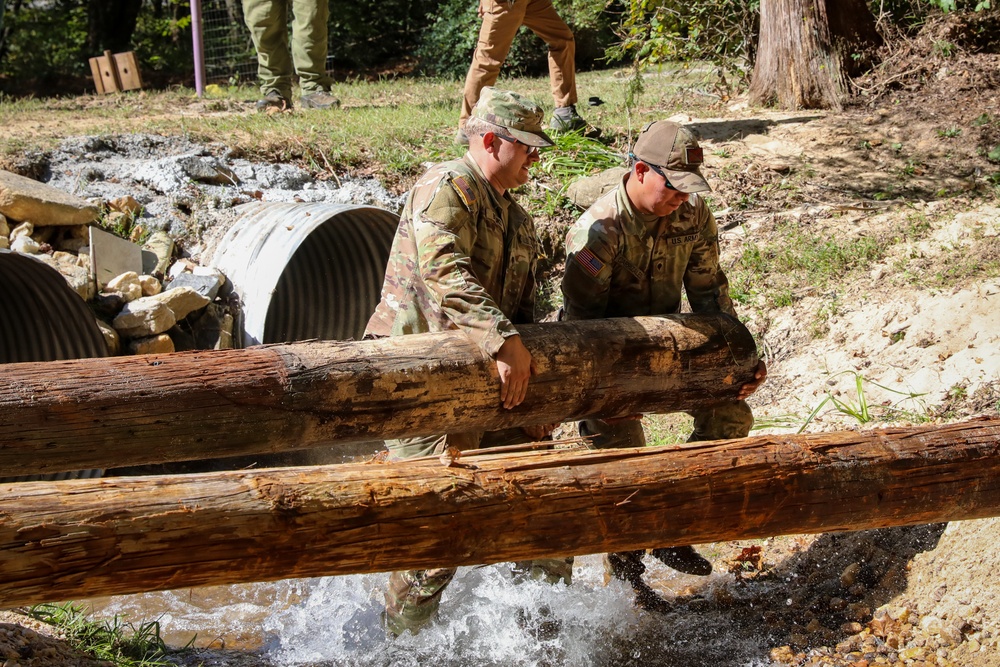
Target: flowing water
(486, 619)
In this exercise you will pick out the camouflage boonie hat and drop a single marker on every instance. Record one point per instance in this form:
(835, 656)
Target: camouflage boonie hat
(520, 118)
(673, 148)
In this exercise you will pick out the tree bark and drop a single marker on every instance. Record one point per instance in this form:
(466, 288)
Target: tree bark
(808, 49)
(122, 411)
(84, 538)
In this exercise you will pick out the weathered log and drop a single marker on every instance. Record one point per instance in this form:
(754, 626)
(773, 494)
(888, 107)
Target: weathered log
(61, 540)
(122, 411)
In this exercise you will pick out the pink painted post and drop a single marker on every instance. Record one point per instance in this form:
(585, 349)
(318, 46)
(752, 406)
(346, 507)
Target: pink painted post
(199, 48)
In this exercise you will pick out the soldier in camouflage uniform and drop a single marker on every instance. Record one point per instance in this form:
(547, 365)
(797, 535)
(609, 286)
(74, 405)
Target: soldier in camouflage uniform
(631, 254)
(464, 258)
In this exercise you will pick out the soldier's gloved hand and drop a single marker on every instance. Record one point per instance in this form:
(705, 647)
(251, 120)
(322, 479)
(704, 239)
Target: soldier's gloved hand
(515, 366)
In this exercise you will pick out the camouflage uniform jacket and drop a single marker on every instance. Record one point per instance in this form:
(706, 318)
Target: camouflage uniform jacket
(463, 258)
(621, 263)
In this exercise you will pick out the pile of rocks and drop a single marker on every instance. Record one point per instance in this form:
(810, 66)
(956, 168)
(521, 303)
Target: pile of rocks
(156, 305)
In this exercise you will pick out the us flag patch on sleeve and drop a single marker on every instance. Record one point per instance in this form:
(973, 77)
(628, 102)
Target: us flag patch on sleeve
(588, 260)
(464, 191)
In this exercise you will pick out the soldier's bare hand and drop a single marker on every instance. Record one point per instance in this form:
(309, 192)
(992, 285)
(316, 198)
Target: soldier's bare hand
(758, 379)
(515, 365)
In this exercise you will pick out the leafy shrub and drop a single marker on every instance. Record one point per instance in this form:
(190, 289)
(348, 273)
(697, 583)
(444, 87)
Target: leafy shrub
(721, 31)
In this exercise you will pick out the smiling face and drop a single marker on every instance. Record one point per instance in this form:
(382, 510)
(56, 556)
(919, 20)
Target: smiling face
(505, 162)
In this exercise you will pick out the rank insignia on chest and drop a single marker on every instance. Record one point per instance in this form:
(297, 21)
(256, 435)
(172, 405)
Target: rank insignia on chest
(589, 262)
(464, 191)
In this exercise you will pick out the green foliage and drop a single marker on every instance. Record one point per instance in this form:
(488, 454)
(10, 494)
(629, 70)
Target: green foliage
(44, 41)
(724, 32)
(953, 5)
(574, 156)
(858, 408)
(162, 40)
(800, 258)
(370, 32)
(125, 644)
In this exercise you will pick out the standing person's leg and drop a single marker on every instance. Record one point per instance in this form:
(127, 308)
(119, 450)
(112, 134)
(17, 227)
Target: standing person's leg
(500, 23)
(412, 597)
(267, 21)
(543, 20)
(310, 30)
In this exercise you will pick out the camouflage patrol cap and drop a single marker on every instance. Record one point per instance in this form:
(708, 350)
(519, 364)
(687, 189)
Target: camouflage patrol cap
(520, 118)
(674, 149)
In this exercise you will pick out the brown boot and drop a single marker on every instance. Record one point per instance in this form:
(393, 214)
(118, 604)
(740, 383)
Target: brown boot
(683, 559)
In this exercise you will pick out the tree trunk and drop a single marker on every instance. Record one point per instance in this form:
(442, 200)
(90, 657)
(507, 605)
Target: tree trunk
(121, 411)
(808, 49)
(85, 538)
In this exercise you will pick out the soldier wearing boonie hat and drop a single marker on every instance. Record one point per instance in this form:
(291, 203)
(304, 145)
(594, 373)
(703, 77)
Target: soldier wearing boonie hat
(632, 253)
(464, 258)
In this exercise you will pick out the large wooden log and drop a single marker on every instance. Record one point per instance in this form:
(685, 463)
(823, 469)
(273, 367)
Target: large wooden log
(61, 540)
(123, 411)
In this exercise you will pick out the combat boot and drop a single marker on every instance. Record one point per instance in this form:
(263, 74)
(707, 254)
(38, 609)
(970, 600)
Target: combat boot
(628, 567)
(319, 99)
(273, 101)
(566, 119)
(683, 559)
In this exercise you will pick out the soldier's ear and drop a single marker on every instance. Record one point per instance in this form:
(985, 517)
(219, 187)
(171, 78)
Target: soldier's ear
(641, 169)
(489, 142)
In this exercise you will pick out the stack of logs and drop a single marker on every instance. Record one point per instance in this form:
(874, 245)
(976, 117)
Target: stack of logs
(82, 538)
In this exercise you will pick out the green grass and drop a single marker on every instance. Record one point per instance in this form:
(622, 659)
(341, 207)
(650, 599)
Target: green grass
(797, 257)
(857, 406)
(389, 127)
(122, 643)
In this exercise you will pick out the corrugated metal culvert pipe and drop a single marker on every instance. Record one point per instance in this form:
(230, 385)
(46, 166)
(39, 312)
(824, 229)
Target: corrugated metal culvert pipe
(306, 271)
(43, 319)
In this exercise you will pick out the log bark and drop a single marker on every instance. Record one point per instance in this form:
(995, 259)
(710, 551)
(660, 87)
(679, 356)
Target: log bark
(808, 49)
(83, 538)
(124, 411)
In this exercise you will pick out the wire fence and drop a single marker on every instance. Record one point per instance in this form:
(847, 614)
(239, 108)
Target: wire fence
(228, 50)
(229, 55)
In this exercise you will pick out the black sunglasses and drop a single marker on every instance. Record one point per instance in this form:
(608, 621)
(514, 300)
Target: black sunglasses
(531, 149)
(666, 181)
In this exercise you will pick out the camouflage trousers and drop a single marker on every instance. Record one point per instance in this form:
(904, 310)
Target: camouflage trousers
(729, 420)
(412, 597)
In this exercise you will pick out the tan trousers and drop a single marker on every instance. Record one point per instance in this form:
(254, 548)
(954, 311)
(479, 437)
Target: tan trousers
(500, 23)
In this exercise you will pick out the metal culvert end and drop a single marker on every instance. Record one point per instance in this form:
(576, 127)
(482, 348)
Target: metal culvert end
(43, 319)
(304, 271)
